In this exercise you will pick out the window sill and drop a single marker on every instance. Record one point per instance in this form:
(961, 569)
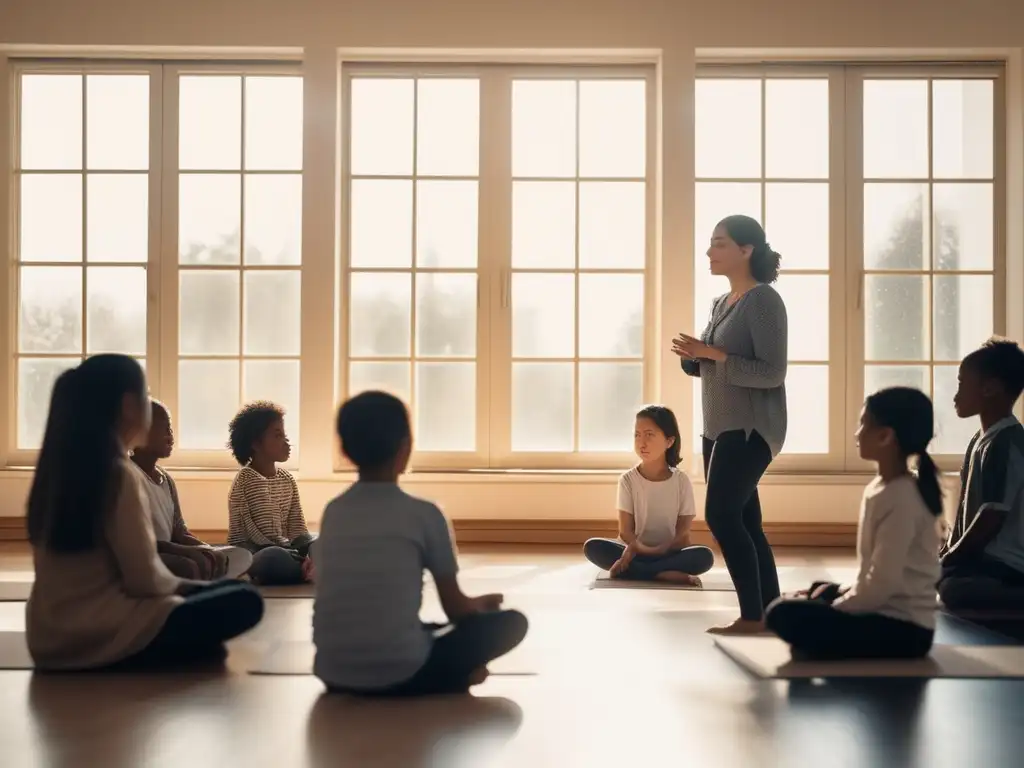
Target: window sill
(505, 476)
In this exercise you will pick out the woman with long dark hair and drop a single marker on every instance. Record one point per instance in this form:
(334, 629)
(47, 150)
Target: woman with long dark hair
(101, 596)
(741, 361)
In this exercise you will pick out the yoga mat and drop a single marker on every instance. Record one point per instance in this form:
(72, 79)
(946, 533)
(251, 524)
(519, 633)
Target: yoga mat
(296, 658)
(769, 657)
(291, 592)
(14, 651)
(14, 591)
(713, 582)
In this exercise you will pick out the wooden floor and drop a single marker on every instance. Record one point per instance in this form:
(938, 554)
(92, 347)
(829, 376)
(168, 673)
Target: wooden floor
(639, 684)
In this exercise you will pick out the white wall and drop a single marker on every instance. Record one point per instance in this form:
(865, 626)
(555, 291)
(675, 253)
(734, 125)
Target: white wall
(668, 32)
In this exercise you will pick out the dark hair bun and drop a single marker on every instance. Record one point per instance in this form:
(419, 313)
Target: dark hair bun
(764, 264)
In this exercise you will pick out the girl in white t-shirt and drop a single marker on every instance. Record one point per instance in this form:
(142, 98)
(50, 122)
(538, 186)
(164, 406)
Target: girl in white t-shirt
(656, 510)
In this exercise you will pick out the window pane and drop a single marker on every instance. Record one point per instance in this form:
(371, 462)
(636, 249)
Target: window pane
(713, 203)
(879, 377)
(807, 305)
(610, 396)
(445, 406)
(387, 377)
(808, 402)
(962, 129)
(446, 223)
(381, 314)
(952, 434)
(542, 410)
(51, 310)
(895, 229)
(543, 224)
(543, 315)
(209, 312)
(381, 127)
(35, 385)
(272, 314)
(277, 381)
(117, 130)
(118, 222)
(963, 314)
(51, 122)
(380, 227)
(728, 129)
(115, 305)
(964, 222)
(613, 226)
(51, 218)
(895, 129)
(544, 128)
(273, 219)
(613, 128)
(896, 317)
(448, 127)
(796, 129)
(611, 315)
(207, 401)
(209, 219)
(445, 315)
(797, 223)
(273, 123)
(210, 123)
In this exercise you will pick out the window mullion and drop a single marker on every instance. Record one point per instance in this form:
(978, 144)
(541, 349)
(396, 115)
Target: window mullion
(8, 300)
(494, 306)
(854, 252)
(166, 381)
(155, 287)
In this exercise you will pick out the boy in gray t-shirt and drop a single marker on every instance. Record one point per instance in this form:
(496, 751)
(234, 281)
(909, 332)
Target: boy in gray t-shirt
(983, 560)
(375, 542)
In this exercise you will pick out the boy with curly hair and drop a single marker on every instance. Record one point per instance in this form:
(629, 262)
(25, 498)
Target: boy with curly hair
(265, 514)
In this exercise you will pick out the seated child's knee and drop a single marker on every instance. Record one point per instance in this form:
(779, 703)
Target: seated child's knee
(958, 593)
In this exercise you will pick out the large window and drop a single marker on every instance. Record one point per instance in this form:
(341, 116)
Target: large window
(82, 168)
(498, 244)
(239, 249)
(159, 212)
(878, 186)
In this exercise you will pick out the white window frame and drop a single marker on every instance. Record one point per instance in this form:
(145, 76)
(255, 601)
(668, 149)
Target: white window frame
(162, 265)
(494, 268)
(837, 375)
(846, 209)
(856, 271)
(19, 457)
(166, 386)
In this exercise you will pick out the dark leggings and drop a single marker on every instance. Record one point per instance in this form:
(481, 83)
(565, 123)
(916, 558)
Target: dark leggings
(692, 560)
(816, 630)
(280, 566)
(197, 629)
(457, 653)
(733, 466)
(982, 584)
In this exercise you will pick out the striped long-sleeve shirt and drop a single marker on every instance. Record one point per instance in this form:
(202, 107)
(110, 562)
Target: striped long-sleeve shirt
(264, 511)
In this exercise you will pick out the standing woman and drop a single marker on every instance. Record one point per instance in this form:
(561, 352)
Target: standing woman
(741, 361)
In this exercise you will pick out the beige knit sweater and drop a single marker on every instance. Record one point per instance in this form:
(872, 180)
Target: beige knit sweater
(91, 609)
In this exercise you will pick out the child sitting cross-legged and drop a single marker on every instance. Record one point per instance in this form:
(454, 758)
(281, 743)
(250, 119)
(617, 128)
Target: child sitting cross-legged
(182, 553)
(983, 559)
(264, 511)
(375, 542)
(889, 610)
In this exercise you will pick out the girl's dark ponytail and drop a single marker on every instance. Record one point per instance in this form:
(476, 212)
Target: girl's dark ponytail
(928, 483)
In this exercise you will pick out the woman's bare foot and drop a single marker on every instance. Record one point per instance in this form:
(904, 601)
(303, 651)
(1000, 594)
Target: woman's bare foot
(678, 577)
(740, 627)
(479, 675)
